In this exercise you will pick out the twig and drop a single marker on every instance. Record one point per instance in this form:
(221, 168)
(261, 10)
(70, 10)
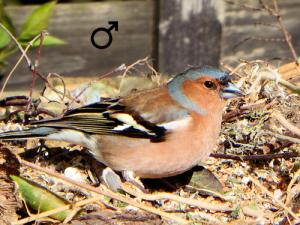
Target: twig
(286, 155)
(64, 93)
(193, 202)
(244, 109)
(257, 39)
(34, 68)
(271, 11)
(282, 137)
(267, 24)
(106, 192)
(269, 74)
(91, 82)
(46, 112)
(157, 76)
(23, 101)
(24, 52)
(289, 188)
(292, 87)
(280, 203)
(140, 61)
(14, 101)
(201, 204)
(287, 35)
(24, 55)
(11, 72)
(243, 5)
(286, 124)
(275, 11)
(17, 43)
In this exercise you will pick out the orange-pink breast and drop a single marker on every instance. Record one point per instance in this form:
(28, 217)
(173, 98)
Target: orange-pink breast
(182, 150)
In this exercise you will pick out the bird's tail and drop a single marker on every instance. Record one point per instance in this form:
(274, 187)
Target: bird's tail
(38, 132)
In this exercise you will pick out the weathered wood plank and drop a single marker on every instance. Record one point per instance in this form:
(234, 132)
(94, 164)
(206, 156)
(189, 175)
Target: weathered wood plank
(240, 24)
(75, 23)
(189, 34)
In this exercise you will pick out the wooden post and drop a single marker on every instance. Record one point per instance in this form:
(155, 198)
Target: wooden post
(189, 34)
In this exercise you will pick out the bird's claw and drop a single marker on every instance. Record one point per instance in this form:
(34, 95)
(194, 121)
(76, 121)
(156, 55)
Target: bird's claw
(111, 179)
(131, 178)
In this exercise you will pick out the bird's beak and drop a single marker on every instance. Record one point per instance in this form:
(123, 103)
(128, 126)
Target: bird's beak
(231, 91)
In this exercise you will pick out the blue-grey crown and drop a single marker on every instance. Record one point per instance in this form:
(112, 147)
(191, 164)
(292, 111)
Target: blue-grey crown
(197, 72)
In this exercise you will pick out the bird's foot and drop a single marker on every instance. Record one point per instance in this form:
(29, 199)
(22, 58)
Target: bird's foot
(130, 177)
(112, 180)
(114, 183)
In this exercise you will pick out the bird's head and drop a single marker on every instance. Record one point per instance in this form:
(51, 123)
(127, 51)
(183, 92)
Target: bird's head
(202, 89)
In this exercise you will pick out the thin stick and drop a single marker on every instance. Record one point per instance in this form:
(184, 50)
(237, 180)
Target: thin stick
(280, 203)
(91, 82)
(283, 137)
(193, 202)
(34, 69)
(205, 205)
(278, 116)
(24, 52)
(163, 195)
(106, 192)
(131, 67)
(17, 43)
(275, 11)
(289, 188)
(243, 5)
(64, 93)
(285, 32)
(286, 155)
(24, 55)
(13, 69)
(268, 74)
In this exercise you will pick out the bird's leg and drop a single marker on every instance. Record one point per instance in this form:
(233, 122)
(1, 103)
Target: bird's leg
(131, 178)
(111, 179)
(114, 183)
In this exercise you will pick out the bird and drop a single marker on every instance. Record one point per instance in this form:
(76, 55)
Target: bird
(153, 133)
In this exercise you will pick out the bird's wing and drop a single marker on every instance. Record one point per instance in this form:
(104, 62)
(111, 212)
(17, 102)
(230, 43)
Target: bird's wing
(150, 114)
(155, 106)
(106, 118)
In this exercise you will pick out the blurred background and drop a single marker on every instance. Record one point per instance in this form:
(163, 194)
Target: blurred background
(174, 34)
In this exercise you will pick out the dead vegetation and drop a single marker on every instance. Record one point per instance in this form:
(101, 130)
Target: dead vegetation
(256, 165)
(255, 161)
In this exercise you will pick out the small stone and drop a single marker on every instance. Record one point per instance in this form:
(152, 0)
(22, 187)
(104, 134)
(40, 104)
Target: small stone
(75, 174)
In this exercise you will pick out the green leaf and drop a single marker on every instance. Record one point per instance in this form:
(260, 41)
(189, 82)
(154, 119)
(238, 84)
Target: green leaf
(41, 199)
(48, 40)
(4, 38)
(37, 21)
(6, 21)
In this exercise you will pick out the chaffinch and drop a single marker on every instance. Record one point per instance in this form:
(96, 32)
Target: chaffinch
(153, 133)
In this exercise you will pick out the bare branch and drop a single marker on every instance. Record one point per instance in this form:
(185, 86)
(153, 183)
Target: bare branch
(286, 155)
(275, 11)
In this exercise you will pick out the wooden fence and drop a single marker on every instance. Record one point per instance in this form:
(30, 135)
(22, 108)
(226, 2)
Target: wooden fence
(174, 33)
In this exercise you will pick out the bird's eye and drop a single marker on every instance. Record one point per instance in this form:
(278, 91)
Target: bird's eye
(209, 84)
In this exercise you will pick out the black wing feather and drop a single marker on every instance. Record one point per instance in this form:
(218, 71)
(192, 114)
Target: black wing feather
(98, 118)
